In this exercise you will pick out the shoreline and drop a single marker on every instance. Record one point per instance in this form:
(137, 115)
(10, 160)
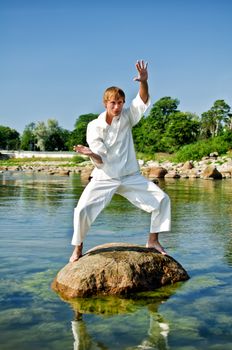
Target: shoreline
(211, 167)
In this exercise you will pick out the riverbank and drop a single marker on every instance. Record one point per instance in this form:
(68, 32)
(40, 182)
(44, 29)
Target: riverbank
(211, 167)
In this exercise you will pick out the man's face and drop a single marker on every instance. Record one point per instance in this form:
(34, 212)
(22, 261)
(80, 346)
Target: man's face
(114, 106)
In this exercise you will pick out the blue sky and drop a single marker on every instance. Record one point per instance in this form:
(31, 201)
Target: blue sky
(57, 57)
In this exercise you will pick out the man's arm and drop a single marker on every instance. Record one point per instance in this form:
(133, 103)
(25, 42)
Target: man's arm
(87, 152)
(141, 67)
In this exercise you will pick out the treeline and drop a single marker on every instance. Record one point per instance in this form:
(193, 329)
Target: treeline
(47, 136)
(165, 129)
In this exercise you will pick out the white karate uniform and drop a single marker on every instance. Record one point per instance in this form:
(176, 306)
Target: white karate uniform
(119, 173)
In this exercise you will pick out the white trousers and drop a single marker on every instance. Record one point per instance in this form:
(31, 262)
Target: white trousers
(136, 188)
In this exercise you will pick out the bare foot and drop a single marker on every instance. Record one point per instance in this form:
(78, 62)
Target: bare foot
(157, 246)
(77, 253)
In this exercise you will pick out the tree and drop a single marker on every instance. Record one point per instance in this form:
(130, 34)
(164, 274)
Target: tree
(165, 106)
(57, 137)
(50, 136)
(149, 131)
(78, 135)
(182, 129)
(9, 138)
(229, 121)
(213, 120)
(41, 135)
(28, 138)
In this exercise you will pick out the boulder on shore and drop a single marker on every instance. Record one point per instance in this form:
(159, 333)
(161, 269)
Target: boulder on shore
(117, 269)
(211, 172)
(154, 172)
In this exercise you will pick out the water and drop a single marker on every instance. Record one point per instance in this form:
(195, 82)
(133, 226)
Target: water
(35, 230)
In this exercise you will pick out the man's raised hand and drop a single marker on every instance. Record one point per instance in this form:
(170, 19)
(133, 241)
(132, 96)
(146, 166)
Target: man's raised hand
(141, 67)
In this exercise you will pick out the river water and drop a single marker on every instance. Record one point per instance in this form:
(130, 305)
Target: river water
(35, 229)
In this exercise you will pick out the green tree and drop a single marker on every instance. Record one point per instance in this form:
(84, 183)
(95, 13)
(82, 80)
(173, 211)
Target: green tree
(164, 107)
(229, 121)
(57, 137)
(28, 138)
(78, 135)
(41, 135)
(148, 133)
(182, 128)
(9, 138)
(50, 136)
(213, 120)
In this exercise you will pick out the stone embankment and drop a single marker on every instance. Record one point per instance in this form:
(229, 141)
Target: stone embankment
(211, 167)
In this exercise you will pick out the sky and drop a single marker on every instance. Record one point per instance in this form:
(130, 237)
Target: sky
(58, 56)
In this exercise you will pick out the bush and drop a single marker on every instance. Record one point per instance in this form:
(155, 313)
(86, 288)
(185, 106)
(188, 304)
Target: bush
(196, 151)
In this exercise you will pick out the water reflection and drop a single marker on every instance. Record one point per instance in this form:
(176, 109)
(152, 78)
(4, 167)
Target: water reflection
(156, 336)
(103, 323)
(42, 188)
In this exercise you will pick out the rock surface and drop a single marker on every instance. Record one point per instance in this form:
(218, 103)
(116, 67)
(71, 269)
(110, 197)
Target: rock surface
(211, 172)
(154, 172)
(117, 269)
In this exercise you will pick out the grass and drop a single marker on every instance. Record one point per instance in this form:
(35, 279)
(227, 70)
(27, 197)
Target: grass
(34, 160)
(158, 157)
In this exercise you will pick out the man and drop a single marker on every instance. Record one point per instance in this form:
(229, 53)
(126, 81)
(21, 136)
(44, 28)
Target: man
(111, 149)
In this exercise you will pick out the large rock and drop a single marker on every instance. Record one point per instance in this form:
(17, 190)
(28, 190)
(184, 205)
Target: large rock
(211, 172)
(188, 165)
(117, 269)
(154, 172)
(172, 175)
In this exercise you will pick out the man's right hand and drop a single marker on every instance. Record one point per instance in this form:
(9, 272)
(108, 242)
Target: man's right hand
(87, 152)
(83, 150)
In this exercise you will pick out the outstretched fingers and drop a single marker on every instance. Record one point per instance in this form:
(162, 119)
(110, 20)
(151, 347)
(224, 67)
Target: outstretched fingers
(141, 67)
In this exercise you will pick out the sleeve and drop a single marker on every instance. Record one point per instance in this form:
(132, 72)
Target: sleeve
(137, 109)
(95, 142)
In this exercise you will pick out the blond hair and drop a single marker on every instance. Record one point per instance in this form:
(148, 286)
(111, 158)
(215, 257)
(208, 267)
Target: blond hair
(114, 92)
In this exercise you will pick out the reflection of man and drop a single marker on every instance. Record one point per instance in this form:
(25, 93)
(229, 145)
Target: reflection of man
(82, 339)
(156, 340)
(158, 333)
